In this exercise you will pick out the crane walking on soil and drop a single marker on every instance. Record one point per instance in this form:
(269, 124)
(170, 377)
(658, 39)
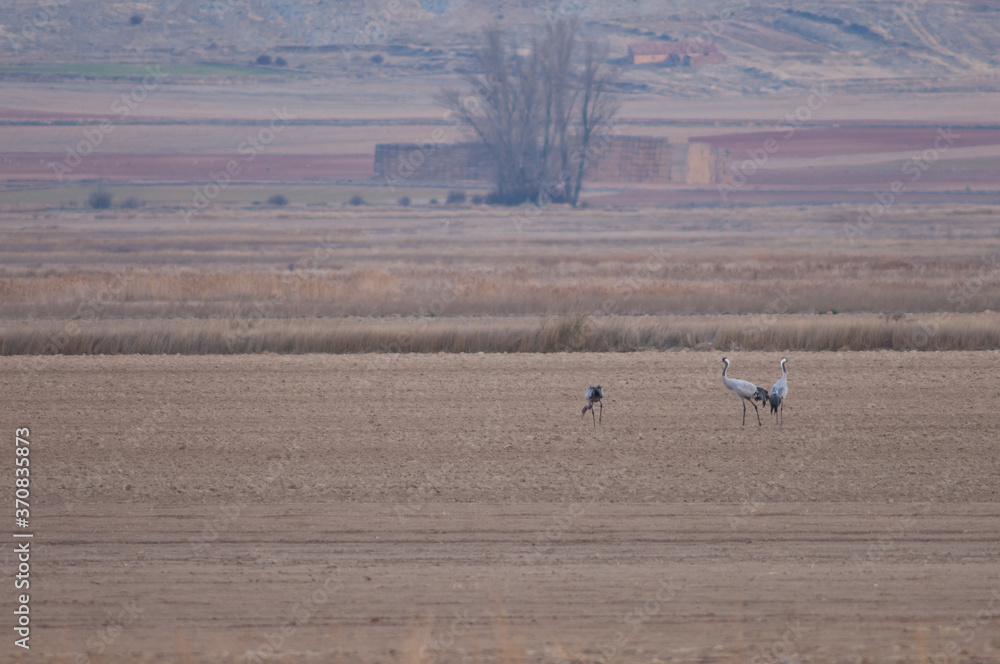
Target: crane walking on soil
(594, 395)
(778, 393)
(745, 390)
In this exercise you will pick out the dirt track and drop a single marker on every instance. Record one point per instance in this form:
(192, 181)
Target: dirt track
(220, 493)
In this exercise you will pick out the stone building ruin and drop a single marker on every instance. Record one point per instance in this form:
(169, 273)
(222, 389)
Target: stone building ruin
(616, 159)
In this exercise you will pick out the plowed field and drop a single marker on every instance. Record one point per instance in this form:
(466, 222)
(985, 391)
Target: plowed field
(454, 508)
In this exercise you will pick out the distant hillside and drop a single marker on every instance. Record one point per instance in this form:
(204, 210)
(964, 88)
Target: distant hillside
(849, 45)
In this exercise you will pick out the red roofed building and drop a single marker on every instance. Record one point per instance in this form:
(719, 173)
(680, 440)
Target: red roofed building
(678, 53)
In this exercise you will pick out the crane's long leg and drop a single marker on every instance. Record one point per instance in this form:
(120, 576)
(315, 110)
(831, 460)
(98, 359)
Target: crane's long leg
(601, 418)
(744, 411)
(594, 417)
(781, 412)
(757, 412)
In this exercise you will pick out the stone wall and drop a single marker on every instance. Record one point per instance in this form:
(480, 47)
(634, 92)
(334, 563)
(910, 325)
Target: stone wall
(630, 159)
(443, 164)
(613, 160)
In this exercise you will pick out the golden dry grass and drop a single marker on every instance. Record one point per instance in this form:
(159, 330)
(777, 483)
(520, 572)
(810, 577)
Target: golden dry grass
(622, 283)
(488, 334)
(259, 280)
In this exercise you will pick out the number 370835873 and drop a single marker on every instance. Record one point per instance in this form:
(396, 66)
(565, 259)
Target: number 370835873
(22, 475)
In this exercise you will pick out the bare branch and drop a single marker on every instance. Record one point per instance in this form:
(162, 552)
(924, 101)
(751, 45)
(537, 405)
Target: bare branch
(536, 111)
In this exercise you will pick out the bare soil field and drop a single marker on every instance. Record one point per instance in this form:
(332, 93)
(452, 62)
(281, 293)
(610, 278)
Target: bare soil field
(140, 167)
(455, 508)
(820, 189)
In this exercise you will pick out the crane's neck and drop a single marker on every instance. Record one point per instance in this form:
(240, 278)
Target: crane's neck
(726, 380)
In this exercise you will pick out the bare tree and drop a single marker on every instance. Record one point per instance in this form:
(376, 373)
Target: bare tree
(597, 109)
(560, 41)
(537, 113)
(502, 110)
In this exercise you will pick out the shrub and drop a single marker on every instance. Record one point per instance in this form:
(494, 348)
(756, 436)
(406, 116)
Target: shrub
(514, 198)
(434, 201)
(356, 200)
(136, 19)
(478, 200)
(519, 197)
(99, 200)
(404, 201)
(455, 197)
(377, 59)
(280, 61)
(132, 203)
(277, 199)
(264, 60)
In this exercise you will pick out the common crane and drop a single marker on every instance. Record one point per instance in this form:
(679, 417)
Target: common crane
(594, 395)
(745, 390)
(778, 393)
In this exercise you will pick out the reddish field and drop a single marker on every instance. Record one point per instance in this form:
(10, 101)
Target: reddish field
(834, 177)
(850, 140)
(32, 115)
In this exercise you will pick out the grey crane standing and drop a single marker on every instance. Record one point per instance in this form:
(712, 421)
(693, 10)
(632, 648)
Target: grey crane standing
(745, 390)
(594, 395)
(778, 393)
